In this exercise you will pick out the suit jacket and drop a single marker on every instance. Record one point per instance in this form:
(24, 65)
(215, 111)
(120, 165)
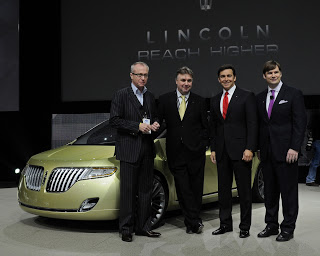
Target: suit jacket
(125, 116)
(286, 127)
(191, 131)
(239, 131)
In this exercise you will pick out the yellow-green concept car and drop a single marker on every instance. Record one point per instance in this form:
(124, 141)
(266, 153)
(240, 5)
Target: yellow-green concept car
(80, 181)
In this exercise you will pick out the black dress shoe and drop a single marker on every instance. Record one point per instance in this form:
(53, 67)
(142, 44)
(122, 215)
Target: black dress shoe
(268, 232)
(148, 233)
(312, 184)
(189, 230)
(198, 229)
(244, 233)
(221, 230)
(284, 236)
(126, 237)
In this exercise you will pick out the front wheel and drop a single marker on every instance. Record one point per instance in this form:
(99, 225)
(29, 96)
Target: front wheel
(258, 186)
(159, 201)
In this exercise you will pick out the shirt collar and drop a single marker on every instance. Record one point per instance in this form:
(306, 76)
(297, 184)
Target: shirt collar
(186, 96)
(277, 88)
(137, 91)
(231, 90)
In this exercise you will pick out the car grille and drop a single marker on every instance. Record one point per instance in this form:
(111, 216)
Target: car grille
(33, 176)
(61, 179)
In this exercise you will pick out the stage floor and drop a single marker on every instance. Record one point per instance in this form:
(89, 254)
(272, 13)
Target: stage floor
(25, 234)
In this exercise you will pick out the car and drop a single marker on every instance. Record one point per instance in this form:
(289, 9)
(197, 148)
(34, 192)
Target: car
(81, 180)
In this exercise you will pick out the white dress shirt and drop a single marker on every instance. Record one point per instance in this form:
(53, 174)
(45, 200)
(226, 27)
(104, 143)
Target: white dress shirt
(230, 93)
(180, 99)
(138, 93)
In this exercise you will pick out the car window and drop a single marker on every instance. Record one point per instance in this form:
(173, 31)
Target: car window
(102, 134)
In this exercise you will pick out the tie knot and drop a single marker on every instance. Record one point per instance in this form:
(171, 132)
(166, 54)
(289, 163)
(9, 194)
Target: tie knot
(272, 92)
(226, 93)
(183, 97)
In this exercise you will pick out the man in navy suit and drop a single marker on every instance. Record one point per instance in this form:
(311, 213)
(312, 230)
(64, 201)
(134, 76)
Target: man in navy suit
(283, 122)
(185, 118)
(133, 114)
(234, 133)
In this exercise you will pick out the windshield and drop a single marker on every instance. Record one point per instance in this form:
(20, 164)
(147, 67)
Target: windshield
(102, 134)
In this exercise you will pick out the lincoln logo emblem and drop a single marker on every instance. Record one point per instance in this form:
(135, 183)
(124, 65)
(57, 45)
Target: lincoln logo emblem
(205, 5)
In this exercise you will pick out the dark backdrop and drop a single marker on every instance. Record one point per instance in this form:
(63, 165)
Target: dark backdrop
(28, 131)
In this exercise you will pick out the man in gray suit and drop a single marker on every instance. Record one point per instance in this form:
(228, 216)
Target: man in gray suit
(133, 114)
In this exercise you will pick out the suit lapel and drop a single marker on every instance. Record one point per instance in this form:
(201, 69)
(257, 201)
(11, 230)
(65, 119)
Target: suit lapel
(189, 105)
(216, 106)
(135, 102)
(233, 101)
(280, 97)
(173, 99)
(262, 105)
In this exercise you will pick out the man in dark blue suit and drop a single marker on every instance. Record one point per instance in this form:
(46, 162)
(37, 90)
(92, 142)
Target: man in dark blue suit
(133, 114)
(234, 133)
(283, 122)
(184, 115)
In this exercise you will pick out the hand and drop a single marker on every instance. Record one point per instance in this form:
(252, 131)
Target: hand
(292, 156)
(213, 157)
(247, 155)
(145, 128)
(155, 126)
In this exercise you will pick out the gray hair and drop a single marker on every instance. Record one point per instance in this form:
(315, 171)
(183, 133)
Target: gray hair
(138, 63)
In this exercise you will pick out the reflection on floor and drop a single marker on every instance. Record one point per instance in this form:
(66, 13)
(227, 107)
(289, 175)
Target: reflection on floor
(25, 234)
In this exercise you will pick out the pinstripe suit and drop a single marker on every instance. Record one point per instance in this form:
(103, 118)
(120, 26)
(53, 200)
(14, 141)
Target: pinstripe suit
(136, 154)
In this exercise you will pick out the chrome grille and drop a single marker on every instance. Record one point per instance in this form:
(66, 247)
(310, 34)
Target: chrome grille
(33, 176)
(61, 179)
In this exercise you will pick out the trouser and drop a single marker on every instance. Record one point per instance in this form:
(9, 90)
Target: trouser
(188, 172)
(136, 184)
(280, 179)
(242, 172)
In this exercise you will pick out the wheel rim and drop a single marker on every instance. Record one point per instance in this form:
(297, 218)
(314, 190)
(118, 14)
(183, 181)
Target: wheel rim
(158, 201)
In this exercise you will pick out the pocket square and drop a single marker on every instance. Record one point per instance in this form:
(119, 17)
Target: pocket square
(282, 101)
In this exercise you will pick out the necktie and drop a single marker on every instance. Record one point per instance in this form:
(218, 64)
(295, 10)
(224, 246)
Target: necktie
(182, 108)
(271, 103)
(225, 105)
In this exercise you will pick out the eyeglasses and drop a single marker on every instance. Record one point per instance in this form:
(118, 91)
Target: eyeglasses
(140, 75)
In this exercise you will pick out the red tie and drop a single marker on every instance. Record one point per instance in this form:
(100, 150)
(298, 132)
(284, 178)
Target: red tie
(225, 105)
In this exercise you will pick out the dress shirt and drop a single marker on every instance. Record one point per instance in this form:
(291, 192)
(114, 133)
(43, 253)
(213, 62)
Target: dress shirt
(276, 91)
(230, 93)
(138, 93)
(180, 99)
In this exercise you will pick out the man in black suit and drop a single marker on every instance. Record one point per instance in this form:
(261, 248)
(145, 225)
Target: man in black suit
(184, 114)
(234, 132)
(133, 114)
(283, 122)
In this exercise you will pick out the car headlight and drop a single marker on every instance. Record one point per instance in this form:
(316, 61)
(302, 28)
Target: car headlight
(97, 172)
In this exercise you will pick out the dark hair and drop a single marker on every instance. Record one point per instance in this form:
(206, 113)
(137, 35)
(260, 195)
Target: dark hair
(184, 70)
(270, 65)
(226, 66)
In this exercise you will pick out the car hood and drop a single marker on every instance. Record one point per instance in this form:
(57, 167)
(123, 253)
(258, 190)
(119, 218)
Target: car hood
(76, 153)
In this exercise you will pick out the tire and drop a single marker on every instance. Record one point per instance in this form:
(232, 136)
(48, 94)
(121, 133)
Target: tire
(159, 201)
(258, 187)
